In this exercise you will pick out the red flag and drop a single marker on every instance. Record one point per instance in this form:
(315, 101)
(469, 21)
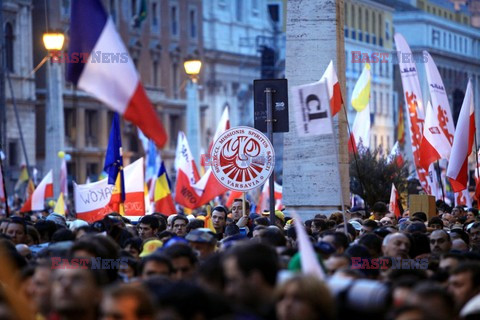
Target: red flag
(457, 170)
(44, 191)
(394, 205)
(190, 191)
(233, 195)
(334, 93)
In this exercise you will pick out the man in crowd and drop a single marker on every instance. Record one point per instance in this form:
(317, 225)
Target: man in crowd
(130, 302)
(179, 225)
(464, 282)
(148, 227)
(219, 220)
(251, 273)
(396, 245)
(440, 242)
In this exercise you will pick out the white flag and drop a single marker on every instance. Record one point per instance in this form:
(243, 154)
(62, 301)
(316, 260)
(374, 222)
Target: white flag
(311, 106)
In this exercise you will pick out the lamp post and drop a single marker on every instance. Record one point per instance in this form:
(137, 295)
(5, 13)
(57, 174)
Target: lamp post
(54, 117)
(192, 68)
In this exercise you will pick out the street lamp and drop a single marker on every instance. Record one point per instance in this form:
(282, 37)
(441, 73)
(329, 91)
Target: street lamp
(54, 115)
(53, 41)
(192, 68)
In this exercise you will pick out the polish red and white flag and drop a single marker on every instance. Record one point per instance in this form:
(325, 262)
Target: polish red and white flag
(394, 205)
(333, 86)
(43, 191)
(457, 171)
(435, 142)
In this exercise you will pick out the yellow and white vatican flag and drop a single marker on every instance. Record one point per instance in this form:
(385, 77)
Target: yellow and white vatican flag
(360, 134)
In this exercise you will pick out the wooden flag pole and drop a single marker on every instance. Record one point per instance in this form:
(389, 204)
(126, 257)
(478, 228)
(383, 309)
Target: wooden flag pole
(244, 204)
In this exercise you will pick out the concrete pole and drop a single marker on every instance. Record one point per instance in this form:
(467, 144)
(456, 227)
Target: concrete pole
(55, 126)
(314, 37)
(193, 120)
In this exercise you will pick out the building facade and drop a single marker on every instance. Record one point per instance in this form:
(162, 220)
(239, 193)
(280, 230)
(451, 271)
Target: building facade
(369, 30)
(158, 46)
(19, 87)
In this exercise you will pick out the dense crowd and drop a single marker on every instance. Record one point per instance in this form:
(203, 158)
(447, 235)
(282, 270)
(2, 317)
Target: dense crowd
(412, 267)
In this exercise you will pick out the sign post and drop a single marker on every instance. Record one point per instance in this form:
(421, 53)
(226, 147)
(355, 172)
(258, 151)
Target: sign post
(275, 108)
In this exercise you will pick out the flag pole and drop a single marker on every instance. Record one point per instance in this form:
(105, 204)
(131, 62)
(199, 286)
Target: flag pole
(334, 135)
(7, 211)
(439, 174)
(476, 157)
(244, 205)
(355, 158)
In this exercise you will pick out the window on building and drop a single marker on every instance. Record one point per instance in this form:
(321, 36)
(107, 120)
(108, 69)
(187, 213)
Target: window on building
(13, 155)
(360, 36)
(346, 14)
(374, 101)
(91, 127)
(155, 74)
(380, 25)
(450, 41)
(174, 20)
(255, 5)
(70, 124)
(113, 10)
(134, 8)
(460, 44)
(345, 31)
(380, 69)
(374, 25)
(239, 10)
(92, 171)
(455, 42)
(193, 23)
(175, 80)
(354, 35)
(444, 44)
(9, 39)
(360, 20)
(352, 15)
(367, 21)
(367, 38)
(387, 30)
(380, 104)
(387, 103)
(175, 127)
(435, 37)
(65, 8)
(154, 15)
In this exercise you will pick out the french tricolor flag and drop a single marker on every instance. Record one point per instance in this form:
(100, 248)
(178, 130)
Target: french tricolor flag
(114, 82)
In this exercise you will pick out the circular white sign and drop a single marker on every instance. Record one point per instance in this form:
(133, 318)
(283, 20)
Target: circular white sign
(242, 158)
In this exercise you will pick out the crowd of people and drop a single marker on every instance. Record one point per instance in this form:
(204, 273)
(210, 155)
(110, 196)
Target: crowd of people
(412, 267)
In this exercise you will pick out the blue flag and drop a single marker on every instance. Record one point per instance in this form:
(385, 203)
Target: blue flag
(113, 159)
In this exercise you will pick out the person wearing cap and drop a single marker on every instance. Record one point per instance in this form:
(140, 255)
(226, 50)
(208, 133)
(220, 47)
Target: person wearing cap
(179, 224)
(150, 246)
(279, 218)
(379, 210)
(148, 227)
(203, 240)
